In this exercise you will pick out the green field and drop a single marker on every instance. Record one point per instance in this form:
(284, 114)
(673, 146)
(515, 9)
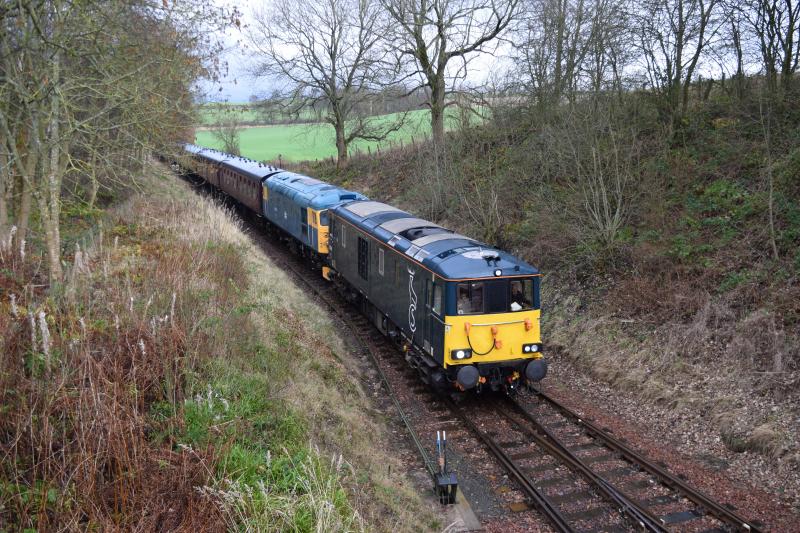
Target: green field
(302, 142)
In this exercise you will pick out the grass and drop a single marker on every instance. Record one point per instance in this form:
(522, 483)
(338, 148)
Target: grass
(308, 142)
(213, 113)
(178, 380)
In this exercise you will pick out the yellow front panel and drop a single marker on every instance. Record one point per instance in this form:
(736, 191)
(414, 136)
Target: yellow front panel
(510, 332)
(322, 231)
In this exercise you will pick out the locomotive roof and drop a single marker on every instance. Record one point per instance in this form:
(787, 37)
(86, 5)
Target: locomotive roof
(248, 167)
(309, 191)
(444, 252)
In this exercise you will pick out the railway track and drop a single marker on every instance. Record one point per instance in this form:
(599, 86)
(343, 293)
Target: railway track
(575, 474)
(618, 489)
(670, 502)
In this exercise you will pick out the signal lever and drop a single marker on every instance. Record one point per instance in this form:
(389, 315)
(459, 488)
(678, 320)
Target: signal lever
(446, 483)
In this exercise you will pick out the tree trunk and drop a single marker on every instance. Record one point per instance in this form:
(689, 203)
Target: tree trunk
(341, 144)
(437, 111)
(49, 195)
(24, 211)
(5, 186)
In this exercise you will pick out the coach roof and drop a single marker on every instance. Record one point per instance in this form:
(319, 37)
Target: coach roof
(310, 191)
(249, 167)
(447, 254)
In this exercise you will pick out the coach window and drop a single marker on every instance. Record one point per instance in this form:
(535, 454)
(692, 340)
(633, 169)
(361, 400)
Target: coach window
(470, 298)
(343, 236)
(437, 299)
(521, 294)
(380, 261)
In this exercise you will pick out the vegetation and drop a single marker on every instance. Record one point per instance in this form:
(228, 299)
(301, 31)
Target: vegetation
(670, 254)
(644, 154)
(170, 384)
(87, 90)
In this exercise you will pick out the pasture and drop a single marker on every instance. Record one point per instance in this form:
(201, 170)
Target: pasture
(303, 142)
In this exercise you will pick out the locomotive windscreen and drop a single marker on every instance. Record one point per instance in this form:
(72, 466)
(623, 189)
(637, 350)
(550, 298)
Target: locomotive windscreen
(496, 296)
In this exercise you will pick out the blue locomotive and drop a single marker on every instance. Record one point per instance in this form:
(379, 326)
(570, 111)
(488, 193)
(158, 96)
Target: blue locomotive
(466, 314)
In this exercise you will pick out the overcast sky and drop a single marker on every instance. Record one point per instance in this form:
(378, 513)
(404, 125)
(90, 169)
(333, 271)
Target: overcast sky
(238, 86)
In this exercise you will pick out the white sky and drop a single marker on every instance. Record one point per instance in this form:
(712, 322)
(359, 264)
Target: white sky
(238, 86)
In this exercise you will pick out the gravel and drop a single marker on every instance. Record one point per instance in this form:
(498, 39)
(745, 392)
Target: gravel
(762, 489)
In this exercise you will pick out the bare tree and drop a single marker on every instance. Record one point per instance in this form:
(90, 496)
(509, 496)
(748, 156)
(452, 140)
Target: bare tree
(68, 94)
(226, 130)
(673, 35)
(601, 159)
(569, 45)
(775, 25)
(328, 55)
(439, 37)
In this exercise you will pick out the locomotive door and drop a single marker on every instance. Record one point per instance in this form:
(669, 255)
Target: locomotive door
(304, 231)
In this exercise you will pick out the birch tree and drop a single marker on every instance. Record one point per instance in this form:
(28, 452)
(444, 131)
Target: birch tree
(82, 77)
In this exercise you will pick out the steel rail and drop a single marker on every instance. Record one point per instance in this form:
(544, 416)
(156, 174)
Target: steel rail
(541, 501)
(555, 447)
(711, 507)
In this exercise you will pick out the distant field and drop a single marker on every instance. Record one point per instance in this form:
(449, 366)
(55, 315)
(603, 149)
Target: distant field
(301, 142)
(212, 113)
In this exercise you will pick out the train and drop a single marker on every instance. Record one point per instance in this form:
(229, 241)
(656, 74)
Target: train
(466, 315)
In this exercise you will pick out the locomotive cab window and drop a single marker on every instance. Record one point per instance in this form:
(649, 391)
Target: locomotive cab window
(470, 298)
(521, 294)
(324, 218)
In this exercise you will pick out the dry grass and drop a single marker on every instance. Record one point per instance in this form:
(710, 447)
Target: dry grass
(82, 367)
(714, 366)
(136, 394)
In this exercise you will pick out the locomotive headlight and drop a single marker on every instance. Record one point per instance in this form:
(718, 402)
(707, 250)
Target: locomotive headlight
(461, 354)
(526, 348)
(498, 272)
(531, 348)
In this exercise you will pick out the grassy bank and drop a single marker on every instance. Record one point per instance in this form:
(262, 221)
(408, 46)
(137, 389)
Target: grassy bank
(178, 380)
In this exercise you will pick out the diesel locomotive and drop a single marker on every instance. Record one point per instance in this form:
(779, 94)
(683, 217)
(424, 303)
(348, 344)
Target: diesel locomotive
(466, 314)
